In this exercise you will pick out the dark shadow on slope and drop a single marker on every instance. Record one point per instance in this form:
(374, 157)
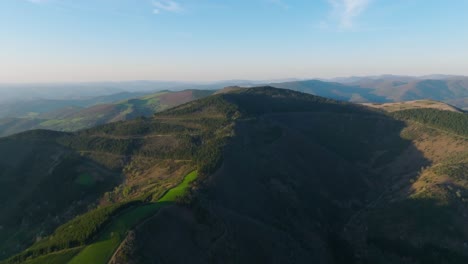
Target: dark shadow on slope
(420, 230)
(43, 184)
(394, 251)
(297, 169)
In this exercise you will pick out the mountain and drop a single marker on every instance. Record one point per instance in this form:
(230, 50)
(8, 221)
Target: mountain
(333, 90)
(36, 107)
(376, 89)
(388, 77)
(391, 77)
(257, 175)
(387, 88)
(74, 118)
(13, 93)
(452, 90)
(417, 104)
(84, 90)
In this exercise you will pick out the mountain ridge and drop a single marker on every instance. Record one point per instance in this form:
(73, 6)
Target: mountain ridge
(311, 175)
(73, 119)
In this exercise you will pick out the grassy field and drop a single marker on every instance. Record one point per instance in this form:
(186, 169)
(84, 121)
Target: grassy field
(120, 219)
(101, 250)
(55, 258)
(180, 190)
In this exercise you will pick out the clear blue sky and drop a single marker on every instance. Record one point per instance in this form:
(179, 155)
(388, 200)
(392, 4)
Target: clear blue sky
(100, 40)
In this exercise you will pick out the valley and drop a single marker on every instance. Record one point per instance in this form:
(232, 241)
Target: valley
(67, 118)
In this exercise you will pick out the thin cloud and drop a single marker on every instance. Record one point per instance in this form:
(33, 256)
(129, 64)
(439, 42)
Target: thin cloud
(166, 5)
(346, 11)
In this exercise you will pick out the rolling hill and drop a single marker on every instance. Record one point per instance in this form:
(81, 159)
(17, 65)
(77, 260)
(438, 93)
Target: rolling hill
(75, 118)
(258, 175)
(452, 90)
(35, 107)
(75, 114)
(338, 91)
(387, 88)
(418, 104)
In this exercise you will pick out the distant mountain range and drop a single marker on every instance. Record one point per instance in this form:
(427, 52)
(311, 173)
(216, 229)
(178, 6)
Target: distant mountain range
(73, 118)
(77, 110)
(13, 93)
(450, 89)
(36, 107)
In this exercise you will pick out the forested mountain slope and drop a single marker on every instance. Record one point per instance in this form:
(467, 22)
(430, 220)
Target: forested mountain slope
(263, 175)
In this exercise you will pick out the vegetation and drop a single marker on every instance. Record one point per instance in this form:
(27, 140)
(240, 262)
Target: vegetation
(95, 160)
(45, 180)
(75, 233)
(195, 132)
(110, 224)
(456, 167)
(427, 253)
(180, 190)
(288, 160)
(85, 179)
(81, 118)
(102, 250)
(59, 257)
(446, 120)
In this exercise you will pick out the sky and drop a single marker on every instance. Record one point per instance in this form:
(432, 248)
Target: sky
(207, 40)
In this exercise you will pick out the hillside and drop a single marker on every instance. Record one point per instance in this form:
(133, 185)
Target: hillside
(338, 91)
(107, 170)
(73, 119)
(451, 90)
(258, 175)
(418, 104)
(36, 106)
(75, 114)
(317, 191)
(421, 217)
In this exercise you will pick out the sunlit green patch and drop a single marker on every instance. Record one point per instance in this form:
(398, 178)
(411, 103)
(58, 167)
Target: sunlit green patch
(85, 179)
(181, 189)
(55, 258)
(109, 240)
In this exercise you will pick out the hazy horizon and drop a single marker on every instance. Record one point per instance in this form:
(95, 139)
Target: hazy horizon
(259, 81)
(57, 41)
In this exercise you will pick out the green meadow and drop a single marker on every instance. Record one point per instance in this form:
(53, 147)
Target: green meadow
(56, 257)
(104, 247)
